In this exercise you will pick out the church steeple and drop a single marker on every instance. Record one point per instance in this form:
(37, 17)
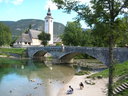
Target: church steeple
(49, 25)
(49, 12)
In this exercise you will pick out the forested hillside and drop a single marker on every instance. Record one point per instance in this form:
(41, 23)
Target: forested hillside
(20, 26)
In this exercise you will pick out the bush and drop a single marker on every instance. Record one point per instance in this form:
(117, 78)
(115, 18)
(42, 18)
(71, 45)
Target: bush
(82, 72)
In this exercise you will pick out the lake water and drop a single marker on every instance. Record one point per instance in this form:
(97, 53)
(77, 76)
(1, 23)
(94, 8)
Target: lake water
(33, 79)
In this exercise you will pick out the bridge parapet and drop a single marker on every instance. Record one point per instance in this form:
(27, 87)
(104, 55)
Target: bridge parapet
(67, 52)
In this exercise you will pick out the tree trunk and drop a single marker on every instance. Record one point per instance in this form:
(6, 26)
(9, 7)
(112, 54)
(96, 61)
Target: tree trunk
(111, 69)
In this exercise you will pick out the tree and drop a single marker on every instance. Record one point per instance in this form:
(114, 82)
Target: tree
(44, 37)
(124, 41)
(74, 35)
(5, 35)
(29, 27)
(70, 35)
(103, 17)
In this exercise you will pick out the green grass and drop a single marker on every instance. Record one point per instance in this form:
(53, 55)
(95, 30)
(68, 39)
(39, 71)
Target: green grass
(82, 72)
(12, 50)
(120, 72)
(123, 93)
(120, 69)
(9, 61)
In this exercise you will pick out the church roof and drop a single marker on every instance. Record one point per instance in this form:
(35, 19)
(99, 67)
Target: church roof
(56, 39)
(34, 33)
(24, 38)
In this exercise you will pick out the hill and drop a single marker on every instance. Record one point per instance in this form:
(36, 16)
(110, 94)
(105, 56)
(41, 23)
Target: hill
(20, 26)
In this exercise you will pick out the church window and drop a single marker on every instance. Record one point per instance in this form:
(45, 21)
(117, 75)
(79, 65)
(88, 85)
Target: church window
(46, 20)
(29, 43)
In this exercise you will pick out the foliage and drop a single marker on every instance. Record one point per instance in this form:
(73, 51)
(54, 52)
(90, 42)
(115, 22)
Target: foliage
(82, 73)
(29, 27)
(124, 40)
(44, 37)
(13, 41)
(83, 56)
(75, 36)
(12, 50)
(7, 61)
(123, 93)
(5, 35)
(120, 70)
(20, 26)
(103, 16)
(58, 44)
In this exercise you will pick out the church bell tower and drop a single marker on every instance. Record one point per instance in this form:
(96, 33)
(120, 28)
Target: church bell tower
(49, 25)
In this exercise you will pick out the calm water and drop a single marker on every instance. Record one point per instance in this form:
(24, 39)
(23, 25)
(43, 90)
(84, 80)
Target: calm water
(33, 79)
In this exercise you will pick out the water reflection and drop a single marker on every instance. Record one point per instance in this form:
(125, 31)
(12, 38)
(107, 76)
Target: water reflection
(33, 79)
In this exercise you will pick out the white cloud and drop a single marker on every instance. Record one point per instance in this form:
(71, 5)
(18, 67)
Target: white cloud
(54, 7)
(17, 2)
(51, 5)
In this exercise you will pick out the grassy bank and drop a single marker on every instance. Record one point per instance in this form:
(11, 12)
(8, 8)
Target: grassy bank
(12, 51)
(120, 75)
(9, 61)
(120, 70)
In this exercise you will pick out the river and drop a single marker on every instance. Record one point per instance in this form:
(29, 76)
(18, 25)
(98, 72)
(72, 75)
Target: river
(34, 78)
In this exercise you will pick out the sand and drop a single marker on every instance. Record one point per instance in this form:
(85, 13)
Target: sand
(98, 89)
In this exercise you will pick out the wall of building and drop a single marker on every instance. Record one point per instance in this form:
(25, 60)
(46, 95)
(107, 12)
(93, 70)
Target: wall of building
(36, 42)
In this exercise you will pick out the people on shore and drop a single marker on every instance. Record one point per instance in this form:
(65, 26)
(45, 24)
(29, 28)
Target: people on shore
(81, 85)
(70, 91)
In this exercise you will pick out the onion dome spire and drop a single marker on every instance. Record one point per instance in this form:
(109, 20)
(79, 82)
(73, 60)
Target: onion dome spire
(49, 12)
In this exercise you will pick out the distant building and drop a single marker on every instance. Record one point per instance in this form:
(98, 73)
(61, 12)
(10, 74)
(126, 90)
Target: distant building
(31, 38)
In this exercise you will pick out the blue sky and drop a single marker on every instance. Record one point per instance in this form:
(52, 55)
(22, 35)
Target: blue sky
(13, 10)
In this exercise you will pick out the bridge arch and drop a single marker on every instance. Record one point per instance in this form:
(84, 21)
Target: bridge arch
(69, 56)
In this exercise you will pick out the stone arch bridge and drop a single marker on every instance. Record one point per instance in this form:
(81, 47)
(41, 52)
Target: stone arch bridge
(66, 53)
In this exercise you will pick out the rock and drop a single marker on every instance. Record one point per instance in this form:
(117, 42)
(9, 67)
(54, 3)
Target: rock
(89, 82)
(100, 77)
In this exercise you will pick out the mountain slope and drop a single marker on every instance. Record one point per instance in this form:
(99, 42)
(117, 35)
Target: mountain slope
(20, 26)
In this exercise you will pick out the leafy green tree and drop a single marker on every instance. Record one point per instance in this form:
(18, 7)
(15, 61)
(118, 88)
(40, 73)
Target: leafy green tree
(44, 37)
(103, 16)
(75, 36)
(72, 33)
(5, 35)
(124, 41)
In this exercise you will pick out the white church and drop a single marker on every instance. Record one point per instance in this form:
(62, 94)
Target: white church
(31, 38)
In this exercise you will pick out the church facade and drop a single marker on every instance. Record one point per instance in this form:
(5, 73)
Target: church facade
(31, 38)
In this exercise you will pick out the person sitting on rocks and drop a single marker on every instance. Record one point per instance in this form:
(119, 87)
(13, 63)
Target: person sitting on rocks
(70, 91)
